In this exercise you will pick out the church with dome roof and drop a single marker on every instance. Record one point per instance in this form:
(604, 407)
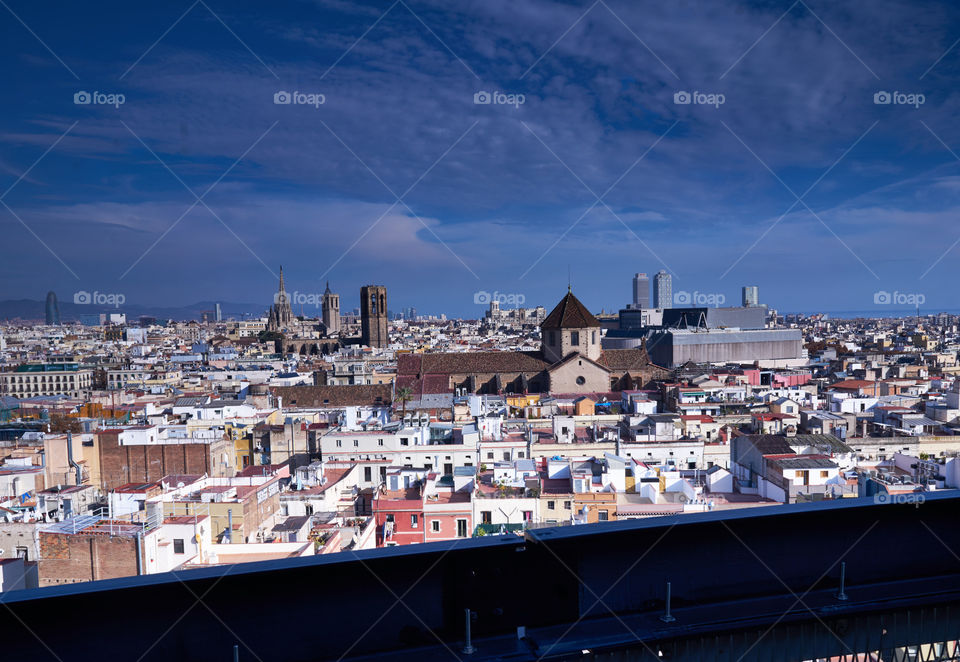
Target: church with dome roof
(571, 360)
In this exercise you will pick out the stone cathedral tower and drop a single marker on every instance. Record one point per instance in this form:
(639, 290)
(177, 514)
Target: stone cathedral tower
(331, 312)
(373, 316)
(281, 314)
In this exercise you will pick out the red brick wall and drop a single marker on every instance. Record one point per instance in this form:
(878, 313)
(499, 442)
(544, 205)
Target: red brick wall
(67, 559)
(148, 463)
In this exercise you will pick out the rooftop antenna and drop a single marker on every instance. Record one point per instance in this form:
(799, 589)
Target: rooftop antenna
(569, 280)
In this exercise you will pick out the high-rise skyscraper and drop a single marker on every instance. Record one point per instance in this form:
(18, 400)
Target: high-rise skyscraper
(331, 311)
(751, 296)
(53, 308)
(641, 291)
(373, 316)
(662, 290)
(219, 313)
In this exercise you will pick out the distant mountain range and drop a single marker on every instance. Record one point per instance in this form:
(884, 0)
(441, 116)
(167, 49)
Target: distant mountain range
(28, 309)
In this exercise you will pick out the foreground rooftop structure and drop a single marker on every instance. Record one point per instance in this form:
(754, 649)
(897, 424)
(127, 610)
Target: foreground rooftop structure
(716, 585)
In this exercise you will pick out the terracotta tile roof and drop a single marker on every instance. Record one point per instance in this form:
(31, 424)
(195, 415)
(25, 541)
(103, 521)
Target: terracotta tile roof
(335, 396)
(569, 314)
(853, 384)
(419, 365)
(627, 359)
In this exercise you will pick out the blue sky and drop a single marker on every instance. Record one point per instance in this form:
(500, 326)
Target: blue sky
(400, 178)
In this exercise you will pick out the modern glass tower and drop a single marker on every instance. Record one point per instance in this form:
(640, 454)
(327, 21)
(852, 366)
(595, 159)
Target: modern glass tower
(751, 296)
(641, 291)
(53, 308)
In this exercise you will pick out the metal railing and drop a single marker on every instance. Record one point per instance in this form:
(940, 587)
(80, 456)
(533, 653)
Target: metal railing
(138, 523)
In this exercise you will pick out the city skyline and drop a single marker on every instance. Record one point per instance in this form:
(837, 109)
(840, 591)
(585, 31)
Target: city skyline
(478, 311)
(401, 171)
(422, 304)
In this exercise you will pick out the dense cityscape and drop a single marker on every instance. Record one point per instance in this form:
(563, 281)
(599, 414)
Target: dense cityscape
(133, 447)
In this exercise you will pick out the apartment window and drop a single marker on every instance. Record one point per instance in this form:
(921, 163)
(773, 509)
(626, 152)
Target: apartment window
(824, 474)
(506, 455)
(575, 338)
(520, 454)
(178, 545)
(593, 338)
(435, 526)
(527, 515)
(489, 456)
(603, 516)
(379, 442)
(551, 505)
(356, 443)
(414, 521)
(461, 528)
(566, 505)
(486, 517)
(339, 444)
(404, 441)
(368, 474)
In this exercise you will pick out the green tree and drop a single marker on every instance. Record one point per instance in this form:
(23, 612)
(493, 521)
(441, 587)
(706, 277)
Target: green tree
(61, 423)
(404, 395)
